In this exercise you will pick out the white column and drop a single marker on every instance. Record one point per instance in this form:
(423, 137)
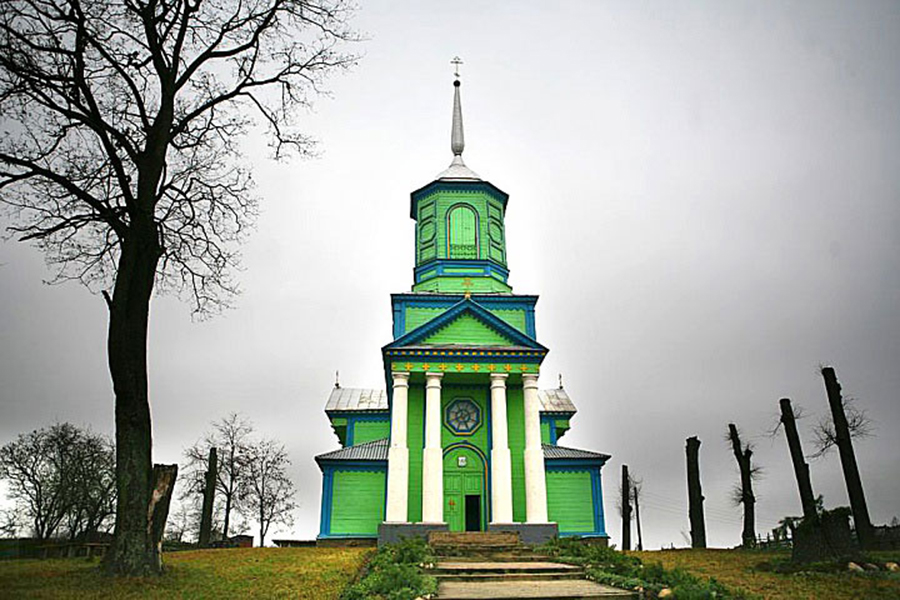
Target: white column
(501, 470)
(433, 456)
(398, 453)
(535, 477)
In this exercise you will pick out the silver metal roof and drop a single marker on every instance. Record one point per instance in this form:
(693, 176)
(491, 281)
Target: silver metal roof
(360, 399)
(342, 399)
(556, 400)
(552, 452)
(378, 450)
(375, 450)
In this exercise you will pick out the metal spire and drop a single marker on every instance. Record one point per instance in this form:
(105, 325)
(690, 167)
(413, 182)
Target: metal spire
(458, 169)
(457, 139)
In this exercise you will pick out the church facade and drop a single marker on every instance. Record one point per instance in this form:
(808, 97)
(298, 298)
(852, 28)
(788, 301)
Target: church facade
(461, 438)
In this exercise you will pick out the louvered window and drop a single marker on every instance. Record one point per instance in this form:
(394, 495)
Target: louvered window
(463, 225)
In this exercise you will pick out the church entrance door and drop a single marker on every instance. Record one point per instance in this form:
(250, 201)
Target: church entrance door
(464, 497)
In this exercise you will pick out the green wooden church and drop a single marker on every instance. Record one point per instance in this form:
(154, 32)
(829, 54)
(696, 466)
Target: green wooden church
(462, 438)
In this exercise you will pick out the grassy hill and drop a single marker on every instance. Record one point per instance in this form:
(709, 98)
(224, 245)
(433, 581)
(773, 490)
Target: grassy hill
(319, 573)
(752, 572)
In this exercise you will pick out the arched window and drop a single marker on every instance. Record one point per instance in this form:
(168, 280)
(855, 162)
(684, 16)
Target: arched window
(462, 223)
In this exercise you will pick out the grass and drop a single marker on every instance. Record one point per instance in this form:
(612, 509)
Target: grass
(747, 570)
(320, 573)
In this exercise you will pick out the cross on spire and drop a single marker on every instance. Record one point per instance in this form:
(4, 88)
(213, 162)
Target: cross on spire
(456, 62)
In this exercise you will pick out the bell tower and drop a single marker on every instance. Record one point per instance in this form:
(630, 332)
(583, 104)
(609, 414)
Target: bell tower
(460, 232)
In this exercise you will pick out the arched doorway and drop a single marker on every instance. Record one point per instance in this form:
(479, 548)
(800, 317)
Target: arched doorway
(465, 508)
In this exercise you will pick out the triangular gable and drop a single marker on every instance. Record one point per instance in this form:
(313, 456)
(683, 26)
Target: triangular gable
(466, 329)
(466, 323)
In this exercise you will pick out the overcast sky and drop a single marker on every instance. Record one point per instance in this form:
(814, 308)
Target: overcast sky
(706, 196)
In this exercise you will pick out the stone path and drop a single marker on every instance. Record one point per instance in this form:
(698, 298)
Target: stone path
(467, 590)
(496, 565)
(459, 580)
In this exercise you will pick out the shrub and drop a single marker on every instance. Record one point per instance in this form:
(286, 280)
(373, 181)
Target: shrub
(615, 568)
(394, 573)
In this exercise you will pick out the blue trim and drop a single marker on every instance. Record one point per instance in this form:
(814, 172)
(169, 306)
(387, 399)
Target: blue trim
(477, 267)
(328, 469)
(400, 302)
(353, 419)
(551, 420)
(456, 186)
(466, 305)
(593, 467)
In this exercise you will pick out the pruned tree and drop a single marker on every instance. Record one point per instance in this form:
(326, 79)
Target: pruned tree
(788, 419)
(60, 478)
(840, 433)
(270, 497)
(625, 508)
(231, 436)
(743, 494)
(695, 493)
(120, 160)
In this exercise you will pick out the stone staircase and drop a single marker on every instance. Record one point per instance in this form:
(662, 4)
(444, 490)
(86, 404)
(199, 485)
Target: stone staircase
(496, 565)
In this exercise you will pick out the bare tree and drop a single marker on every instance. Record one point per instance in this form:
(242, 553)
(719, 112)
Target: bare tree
(178, 524)
(270, 497)
(635, 487)
(120, 160)
(743, 494)
(61, 479)
(10, 522)
(231, 436)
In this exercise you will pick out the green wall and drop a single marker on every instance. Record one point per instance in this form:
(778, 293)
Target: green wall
(358, 505)
(367, 431)
(515, 419)
(432, 234)
(570, 501)
(415, 440)
(417, 316)
(467, 329)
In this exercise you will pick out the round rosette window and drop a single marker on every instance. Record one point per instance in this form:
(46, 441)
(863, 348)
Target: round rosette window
(463, 416)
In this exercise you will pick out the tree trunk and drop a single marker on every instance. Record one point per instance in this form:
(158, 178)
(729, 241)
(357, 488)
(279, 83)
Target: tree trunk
(748, 500)
(637, 519)
(164, 477)
(626, 509)
(209, 496)
(695, 494)
(132, 551)
(227, 516)
(848, 460)
(801, 468)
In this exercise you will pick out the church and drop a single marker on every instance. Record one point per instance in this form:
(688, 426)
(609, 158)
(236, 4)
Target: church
(461, 438)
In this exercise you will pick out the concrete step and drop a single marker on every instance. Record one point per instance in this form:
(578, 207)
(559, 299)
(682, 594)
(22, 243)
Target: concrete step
(495, 557)
(529, 590)
(494, 568)
(541, 576)
(473, 538)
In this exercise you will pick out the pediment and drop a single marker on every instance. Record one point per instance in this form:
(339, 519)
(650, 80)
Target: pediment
(466, 323)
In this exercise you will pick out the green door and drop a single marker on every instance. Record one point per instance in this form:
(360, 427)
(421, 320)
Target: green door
(464, 498)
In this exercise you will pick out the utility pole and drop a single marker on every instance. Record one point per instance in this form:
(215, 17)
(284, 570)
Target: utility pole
(637, 515)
